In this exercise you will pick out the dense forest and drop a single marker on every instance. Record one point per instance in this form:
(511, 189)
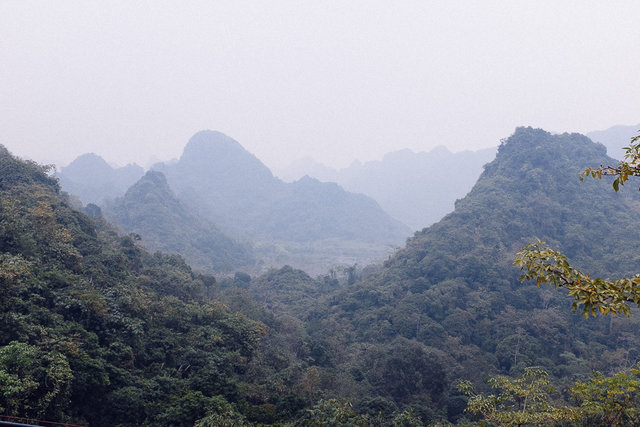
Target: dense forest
(97, 330)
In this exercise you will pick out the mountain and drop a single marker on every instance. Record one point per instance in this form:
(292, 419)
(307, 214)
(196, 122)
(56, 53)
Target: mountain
(416, 188)
(449, 306)
(229, 186)
(615, 138)
(151, 209)
(93, 180)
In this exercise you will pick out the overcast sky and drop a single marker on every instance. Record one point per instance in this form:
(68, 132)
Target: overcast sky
(332, 80)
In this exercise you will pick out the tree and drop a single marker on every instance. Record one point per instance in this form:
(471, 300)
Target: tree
(333, 413)
(522, 401)
(527, 400)
(32, 382)
(610, 400)
(630, 166)
(545, 265)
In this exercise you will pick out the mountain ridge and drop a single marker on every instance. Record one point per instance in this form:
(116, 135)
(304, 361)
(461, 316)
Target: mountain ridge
(615, 138)
(416, 188)
(243, 195)
(93, 180)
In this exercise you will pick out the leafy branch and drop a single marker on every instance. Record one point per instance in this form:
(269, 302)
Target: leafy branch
(545, 265)
(630, 166)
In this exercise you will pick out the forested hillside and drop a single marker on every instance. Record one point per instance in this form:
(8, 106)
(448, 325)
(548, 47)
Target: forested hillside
(151, 209)
(449, 306)
(95, 330)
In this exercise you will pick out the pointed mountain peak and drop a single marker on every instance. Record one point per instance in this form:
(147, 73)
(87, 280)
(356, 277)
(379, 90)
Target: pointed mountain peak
(93, 180)
(152, 209)
(211, 141)
(153, 182)
(87, 162)
(156, 178)
(219, 155)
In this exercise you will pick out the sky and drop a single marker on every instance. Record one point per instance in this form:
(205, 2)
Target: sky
(336, 81)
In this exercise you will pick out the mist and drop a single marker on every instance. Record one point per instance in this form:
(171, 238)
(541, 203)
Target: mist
(330, 81)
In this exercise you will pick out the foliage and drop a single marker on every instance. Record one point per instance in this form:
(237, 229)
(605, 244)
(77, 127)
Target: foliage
(611, 401)
(549, 266)
(603, 400)
(525, 400)
(228, 418)
(333, 413)
(546, 265)
(629, 166)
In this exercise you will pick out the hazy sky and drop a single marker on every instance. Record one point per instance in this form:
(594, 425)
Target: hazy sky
(333, 80)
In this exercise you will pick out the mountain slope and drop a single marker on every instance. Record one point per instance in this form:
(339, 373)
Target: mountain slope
(615, 138)
(234, 189)
(452, 293)
(165, 224)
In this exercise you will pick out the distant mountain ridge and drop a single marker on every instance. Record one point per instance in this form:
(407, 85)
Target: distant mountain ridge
(230, 186)
(615, 138)
(416, 188)
(221, 189)
(93, 180)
